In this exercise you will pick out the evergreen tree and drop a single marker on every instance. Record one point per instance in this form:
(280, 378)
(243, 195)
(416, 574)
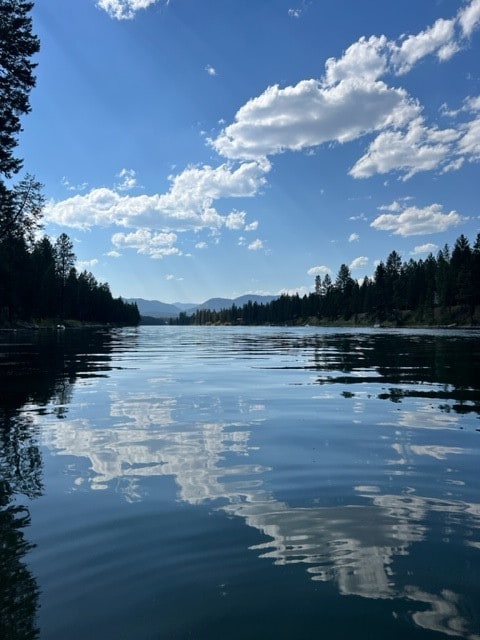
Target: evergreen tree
(64, 257)
(17, 46)
(21, 209)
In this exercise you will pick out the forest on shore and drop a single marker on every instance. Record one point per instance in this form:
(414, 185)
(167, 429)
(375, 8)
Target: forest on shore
(38, 278)
(442, 290)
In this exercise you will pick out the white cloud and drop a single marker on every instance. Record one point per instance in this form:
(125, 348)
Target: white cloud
(415, 221)
(469, 143)
(294, 13)
(358, 263)
(210, 70)
(429, 247)
(319, 271)
(469, 18)
(171, 277)
(437, 39)
(309, 114)
(155, 245)
(113, 254)
(235, 220)
(256, 245)
(366, 58)
(81, 265)
(73, 187)
(127, 180)
(301, 291)
(351, 101)
(253, 226)
(353, 237)
(201, 245)
(124, 9)
(394, 206)
(418, 148)
(187, 205)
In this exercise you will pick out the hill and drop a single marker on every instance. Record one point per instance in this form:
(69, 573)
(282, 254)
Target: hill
(158, 309)
(217, 304)
(155, 308)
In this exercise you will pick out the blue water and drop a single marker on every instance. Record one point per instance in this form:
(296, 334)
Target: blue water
(234, 482)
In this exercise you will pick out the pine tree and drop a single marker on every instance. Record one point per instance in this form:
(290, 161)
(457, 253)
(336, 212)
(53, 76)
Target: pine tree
(17, 46)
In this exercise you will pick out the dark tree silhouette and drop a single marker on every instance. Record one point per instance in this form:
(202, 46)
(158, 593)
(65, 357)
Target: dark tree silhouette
(17, 46)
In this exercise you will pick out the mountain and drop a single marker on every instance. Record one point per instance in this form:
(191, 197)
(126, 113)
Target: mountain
(158, 309)
(155, 308)
(185, 306)
(217, 304)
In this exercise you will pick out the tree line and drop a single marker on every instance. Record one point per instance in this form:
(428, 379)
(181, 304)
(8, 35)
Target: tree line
(442, 289)
(38, 279)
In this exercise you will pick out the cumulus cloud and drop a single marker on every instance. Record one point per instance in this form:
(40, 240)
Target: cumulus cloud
(189, 203)
(469, 18)
(353, 237)
(429, 247)
(86, 264)
(124, 9)
(358, 263)
(310, 114)
(319, 271)
(393, 207)
(418, 221)
(366, 58)
(155, 245)
(253, 226)
(351, 100)
(439, 39)
(235, 220)
(469, 143)
(418, 148)
(126, 180)
(256, 245)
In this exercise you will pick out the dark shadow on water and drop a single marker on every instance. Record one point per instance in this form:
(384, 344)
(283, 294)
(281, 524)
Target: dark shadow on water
(37, 368)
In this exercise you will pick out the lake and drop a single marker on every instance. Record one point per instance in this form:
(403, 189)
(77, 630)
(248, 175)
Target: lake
(236, 482)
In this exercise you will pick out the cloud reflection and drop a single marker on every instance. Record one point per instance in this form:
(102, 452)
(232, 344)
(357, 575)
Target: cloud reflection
(355, 546)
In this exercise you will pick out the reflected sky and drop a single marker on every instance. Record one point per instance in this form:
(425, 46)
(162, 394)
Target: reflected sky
(216, 430)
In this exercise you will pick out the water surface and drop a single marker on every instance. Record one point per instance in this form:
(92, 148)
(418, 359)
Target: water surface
(225, 482)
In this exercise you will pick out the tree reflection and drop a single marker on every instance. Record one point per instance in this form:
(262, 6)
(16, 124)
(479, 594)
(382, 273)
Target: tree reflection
(38, 369)
(18, 587)
(441, 367)
(21, 473)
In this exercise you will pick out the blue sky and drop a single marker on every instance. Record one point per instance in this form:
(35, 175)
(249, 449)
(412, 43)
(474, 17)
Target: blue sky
(200, 148)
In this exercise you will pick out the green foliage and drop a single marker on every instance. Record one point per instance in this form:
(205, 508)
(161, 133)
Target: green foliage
(21, 209)
(17, 46)
(41, 282)
(414, 291)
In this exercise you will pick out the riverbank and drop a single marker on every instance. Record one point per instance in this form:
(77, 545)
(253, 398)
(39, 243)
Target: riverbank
(55, 325)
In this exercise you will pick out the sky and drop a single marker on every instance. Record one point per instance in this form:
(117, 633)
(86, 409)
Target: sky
(202, 148)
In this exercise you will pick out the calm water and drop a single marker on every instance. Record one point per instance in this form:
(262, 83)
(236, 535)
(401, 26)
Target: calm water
(170, 482)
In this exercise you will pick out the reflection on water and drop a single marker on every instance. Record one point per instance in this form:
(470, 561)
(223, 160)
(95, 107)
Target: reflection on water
(289, 432)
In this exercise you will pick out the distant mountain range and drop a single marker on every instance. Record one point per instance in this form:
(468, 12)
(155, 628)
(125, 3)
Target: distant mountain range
(158, 309)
